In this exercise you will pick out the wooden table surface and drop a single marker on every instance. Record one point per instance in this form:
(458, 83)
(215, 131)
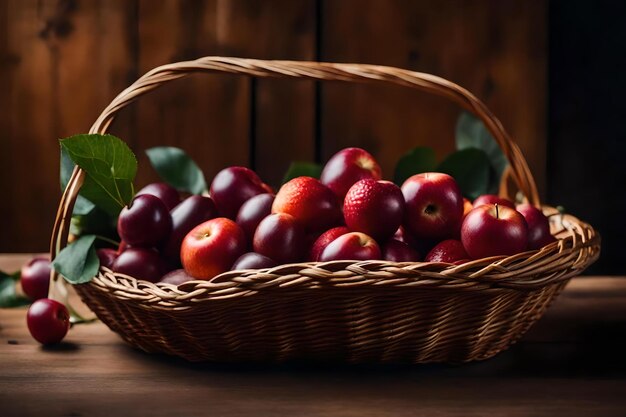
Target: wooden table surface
(572, 363)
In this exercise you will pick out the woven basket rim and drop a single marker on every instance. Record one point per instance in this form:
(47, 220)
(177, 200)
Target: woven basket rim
(577, 247)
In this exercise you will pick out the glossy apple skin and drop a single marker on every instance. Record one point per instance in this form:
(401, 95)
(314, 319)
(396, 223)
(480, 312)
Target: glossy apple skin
(233, 186)
(493, 199)
(107, 256)
(253, 260)
(351, 246)
(448, 251)
(396, 251)
(165, 192)
(375, 208)
(491, 230)
(434, 206)
(35, 277)
(146, 222)
(212, 247)
(538, 226)
(48, 321)
(310, 202)
(176, 277)
(280, 237)
(140, 263)
(253, 211)
(323, 240)
(347, 167)
(188, 214)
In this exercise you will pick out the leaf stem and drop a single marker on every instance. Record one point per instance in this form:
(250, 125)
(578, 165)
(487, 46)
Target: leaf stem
(108, 240)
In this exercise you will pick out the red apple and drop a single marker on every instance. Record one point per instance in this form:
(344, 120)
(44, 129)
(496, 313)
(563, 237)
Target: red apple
(310, 202)
(347, 167)
(176, 277)
(375, 208)
(397, 251)
(434, 206)
(493, 199)
(212, 247)
(165, 192)
(448, 251)
(145, 222)
(253, 211)
(323, 240)
(35, 278)
(538, 226)
(107, 256)
(191, 212)
(233, 186)
(493, 230)
(48, 321)
(253, 260)
(351, 246)
(280, 237)
(140, 263)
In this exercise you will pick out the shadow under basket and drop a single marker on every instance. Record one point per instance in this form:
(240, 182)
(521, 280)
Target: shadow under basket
(347, 311)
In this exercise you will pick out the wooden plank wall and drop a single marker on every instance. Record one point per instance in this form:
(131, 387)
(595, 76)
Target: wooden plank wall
(62, 61)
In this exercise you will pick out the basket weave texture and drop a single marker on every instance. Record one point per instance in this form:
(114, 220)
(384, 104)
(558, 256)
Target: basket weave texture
(373, 311)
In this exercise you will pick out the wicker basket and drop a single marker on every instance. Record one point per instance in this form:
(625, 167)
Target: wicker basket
(347, 311)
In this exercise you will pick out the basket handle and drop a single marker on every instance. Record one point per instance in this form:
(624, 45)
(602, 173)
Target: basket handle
(295, 69)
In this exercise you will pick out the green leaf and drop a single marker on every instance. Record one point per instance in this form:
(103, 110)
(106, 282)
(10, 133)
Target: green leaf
(418, 160)
(470, 168)
(82, 206)
(177, 169)
(302, 169)
(78, 262)
(472, 133)
(110, 167)
(8, 294)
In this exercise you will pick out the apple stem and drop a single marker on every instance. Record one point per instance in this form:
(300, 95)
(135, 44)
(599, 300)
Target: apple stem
(497, 212)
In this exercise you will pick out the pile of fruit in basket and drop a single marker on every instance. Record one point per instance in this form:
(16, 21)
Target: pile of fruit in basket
(350, 213)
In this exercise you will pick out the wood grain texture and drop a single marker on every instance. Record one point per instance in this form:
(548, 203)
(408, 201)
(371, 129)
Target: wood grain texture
(495, 49)
(570, 364)
(62, 61)
(206, 116)
(50, 53)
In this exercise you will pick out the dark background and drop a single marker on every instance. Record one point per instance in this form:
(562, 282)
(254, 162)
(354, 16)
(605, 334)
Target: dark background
(552, 71)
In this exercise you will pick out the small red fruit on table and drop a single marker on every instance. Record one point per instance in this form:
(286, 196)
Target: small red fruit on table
(35, 278)
(48, 321)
